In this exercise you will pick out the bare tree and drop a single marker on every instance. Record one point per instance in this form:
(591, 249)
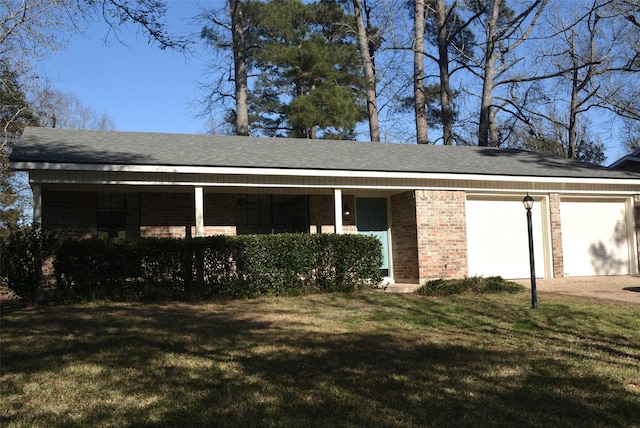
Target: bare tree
(365, 46)
(587, 52)
(56, 109)
(505, 30)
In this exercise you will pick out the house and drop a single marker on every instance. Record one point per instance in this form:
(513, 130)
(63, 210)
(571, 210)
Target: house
(629, 162)
(441, 212)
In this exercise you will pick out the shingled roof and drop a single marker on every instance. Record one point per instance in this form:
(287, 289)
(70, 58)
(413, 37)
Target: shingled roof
(52, 148)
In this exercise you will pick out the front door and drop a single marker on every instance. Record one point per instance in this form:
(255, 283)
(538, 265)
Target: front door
(371, 217)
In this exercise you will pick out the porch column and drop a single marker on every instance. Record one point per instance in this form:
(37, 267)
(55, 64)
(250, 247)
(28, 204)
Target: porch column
(37, 203)
(199, 195)
(337, 206)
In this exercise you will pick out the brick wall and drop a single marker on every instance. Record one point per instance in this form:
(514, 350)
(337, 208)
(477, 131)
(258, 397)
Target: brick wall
(556, 235)
(404, 238)
(167, 215)
(172, 215)
(70, 214)
(219, 214)
(321, 214)
(442, 234)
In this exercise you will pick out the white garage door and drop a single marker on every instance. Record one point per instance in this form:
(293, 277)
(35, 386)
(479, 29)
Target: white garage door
(595, 239)
(497, 238)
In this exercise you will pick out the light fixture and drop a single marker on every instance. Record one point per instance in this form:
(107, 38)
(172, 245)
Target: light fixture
(528, 202)
(346, 209)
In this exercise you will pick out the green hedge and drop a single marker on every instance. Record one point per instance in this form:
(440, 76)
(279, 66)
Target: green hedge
(21, 255)
(242, 266)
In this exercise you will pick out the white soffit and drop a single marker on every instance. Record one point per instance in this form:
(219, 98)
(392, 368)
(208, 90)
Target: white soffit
(311, 173)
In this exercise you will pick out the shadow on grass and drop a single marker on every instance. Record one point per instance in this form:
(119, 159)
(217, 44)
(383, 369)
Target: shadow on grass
(333, 361)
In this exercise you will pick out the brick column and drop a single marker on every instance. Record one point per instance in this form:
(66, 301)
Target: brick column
(404, 238)
(556, 235)
(442, 234)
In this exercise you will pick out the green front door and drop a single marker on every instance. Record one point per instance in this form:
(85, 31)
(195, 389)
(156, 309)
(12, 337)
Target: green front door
(371, 218)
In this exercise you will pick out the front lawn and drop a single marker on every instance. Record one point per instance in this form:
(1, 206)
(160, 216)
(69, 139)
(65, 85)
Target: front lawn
(367, 359)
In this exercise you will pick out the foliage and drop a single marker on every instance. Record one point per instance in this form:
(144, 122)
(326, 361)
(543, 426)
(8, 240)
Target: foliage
(15, 114)
(242, 266)
(22, 255)
(308, 71)
(359, 360)
(476, 284)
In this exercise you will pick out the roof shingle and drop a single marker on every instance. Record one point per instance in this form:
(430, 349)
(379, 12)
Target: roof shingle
(63, 146)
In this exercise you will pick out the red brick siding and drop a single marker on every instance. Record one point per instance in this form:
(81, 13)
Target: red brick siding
(404, 238)
(167, 215)
(556, 235)
(173, 215)
(70, 214)
(219, 214)
(442, 234)
(321, 214)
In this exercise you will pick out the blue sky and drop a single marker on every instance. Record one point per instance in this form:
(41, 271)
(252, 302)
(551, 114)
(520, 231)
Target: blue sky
(141, 87)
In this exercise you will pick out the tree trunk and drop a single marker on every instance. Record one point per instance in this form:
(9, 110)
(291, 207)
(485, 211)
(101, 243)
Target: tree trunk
(240, 68)
(369, 72)
(418, 75)
(443, 65)
(485, 129)
(573, 106)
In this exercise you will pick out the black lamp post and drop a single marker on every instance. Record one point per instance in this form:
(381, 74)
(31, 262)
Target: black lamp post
(528, 204)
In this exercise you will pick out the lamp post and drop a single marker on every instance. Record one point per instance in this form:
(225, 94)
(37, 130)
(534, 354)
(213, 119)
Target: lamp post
(528, 204)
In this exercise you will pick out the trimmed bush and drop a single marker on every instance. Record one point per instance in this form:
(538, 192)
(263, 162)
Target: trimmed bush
(475, 284)
(242, 266)
(22, 255)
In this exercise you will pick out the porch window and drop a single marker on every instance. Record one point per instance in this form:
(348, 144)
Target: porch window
(266, 214)
(118, 215)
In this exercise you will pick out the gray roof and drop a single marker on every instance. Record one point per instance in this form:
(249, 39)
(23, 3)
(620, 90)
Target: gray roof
(63, 146)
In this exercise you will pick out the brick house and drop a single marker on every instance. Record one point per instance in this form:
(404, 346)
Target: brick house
(441, 212)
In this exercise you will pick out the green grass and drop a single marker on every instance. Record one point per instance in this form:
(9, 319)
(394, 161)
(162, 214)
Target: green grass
(368, 359)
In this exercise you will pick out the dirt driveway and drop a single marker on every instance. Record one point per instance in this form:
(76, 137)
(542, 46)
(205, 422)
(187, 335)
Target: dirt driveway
(624, 290)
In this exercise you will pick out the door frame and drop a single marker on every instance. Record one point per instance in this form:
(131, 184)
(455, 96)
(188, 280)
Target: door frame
(389, 249)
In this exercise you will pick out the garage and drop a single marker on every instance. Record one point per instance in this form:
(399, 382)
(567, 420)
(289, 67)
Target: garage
(595, 238)
(497, 238)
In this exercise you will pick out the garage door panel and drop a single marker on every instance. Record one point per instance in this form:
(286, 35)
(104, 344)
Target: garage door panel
(595, 238)
(497, 238)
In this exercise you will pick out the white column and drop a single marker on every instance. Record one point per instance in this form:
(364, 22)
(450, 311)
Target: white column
(199, 195)
(37, 203)
(337, 205)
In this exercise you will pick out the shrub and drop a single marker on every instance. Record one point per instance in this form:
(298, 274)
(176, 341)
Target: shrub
(242, 266)
(476, 284)
(23, 252)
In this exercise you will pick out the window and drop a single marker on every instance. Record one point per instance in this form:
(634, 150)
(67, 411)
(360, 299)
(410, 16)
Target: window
(118, 215)
(266, 214)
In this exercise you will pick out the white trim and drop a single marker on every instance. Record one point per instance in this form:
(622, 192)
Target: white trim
(199, 208)
(337, 210)
(311, 173)
(36, 189)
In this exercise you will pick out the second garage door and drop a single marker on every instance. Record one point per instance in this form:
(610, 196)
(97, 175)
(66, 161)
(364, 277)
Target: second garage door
(595, 238)
(497, 238)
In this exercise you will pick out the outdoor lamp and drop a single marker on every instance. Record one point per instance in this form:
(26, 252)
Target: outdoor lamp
(528, 204)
